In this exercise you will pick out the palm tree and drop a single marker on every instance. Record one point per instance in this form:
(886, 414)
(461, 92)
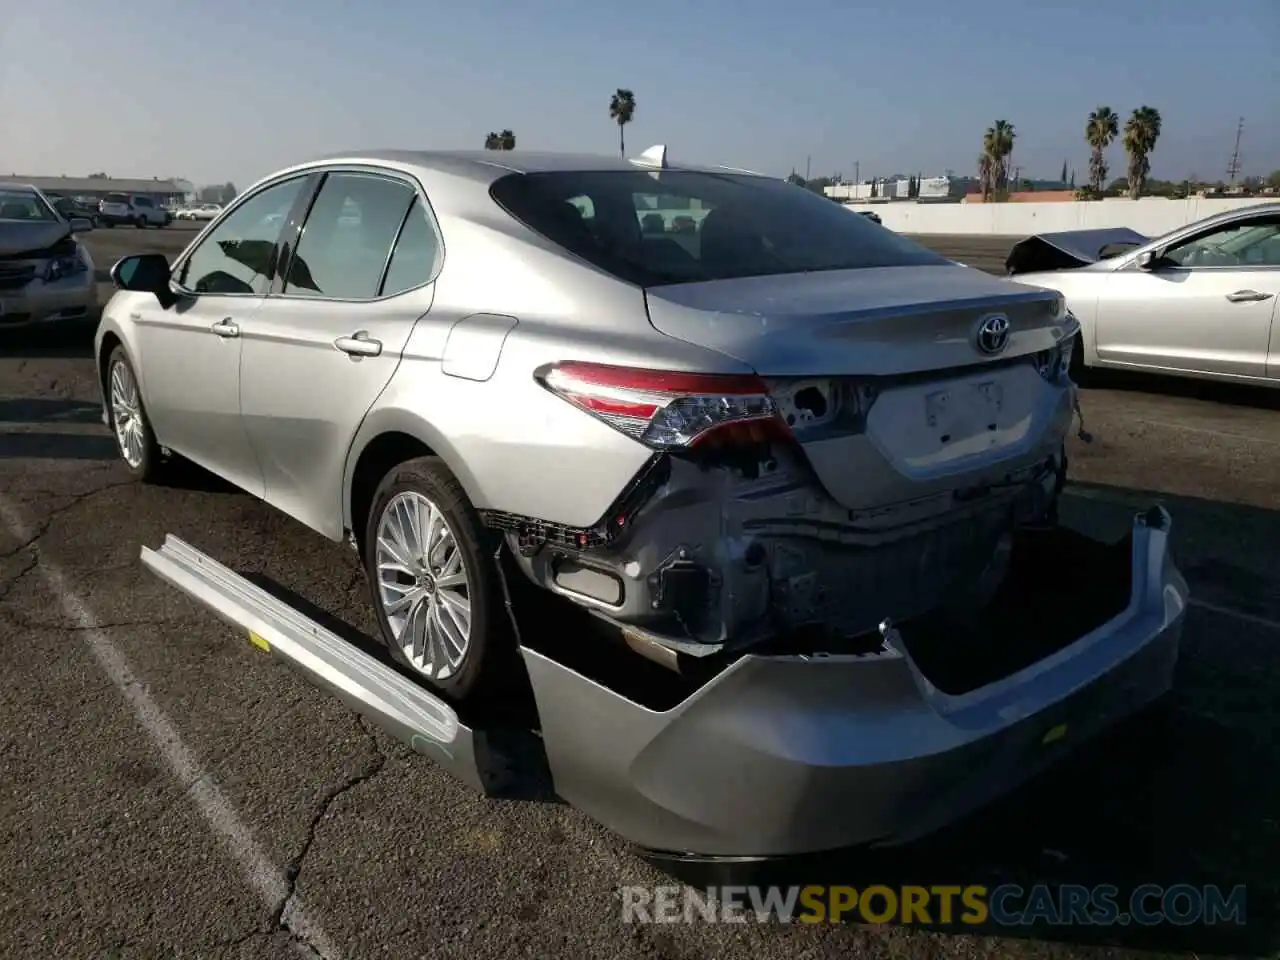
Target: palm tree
(993, 164)
(622, 107)
(1100, 131)
(506, 140)
(986, 171)
(1141, 132)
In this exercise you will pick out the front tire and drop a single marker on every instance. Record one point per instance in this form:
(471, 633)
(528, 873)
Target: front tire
(135, 440)
(434, 583)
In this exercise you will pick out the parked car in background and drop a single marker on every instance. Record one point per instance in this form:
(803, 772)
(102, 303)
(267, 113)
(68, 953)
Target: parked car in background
(124, 209)
(1199, 301)
(201, 211)
(46, 274)
(70, 208)
(870, 215)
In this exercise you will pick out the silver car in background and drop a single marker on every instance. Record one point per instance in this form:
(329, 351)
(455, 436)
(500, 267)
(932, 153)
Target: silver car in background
(46, 274)
(1197, 302)
(787, 420)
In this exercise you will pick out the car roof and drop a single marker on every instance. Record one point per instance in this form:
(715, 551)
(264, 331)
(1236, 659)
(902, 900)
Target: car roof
(486, 166)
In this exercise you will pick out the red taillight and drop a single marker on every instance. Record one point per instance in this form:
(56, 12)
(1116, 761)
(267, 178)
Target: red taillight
(669, 410)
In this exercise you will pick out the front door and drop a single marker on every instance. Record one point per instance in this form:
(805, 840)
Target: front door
(193, 349)
(330, 336)
(1205, 307)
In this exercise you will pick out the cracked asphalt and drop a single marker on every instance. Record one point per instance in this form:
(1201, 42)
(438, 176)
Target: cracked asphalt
(167, 790)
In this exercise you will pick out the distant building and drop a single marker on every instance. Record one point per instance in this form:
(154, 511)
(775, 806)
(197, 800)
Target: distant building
(947, 188)
(162, 192)
(937, 189)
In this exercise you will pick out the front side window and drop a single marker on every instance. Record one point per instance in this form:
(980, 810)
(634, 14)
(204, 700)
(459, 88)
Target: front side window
(679, 226)
(1254, 243)
(238, 256)
(142, 201)
(346, 240)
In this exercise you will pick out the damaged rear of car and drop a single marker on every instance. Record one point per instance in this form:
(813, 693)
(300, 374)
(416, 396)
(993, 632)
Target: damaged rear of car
(898, 421)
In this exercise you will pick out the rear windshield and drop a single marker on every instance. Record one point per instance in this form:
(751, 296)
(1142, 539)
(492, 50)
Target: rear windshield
(656, 228)
(116, 198)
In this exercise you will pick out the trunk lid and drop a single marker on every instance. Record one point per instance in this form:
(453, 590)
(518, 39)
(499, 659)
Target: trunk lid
(875, 322)
(881, 375)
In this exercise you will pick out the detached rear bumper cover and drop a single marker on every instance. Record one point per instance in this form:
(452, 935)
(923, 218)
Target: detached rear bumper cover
(786, 755)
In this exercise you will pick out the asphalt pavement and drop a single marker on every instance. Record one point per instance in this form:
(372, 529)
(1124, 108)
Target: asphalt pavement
(166, 790)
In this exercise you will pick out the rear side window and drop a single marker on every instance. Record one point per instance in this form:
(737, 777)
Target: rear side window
(117, 198)
(142, 201)
(347, 238)
(413, 262)
(655, 228)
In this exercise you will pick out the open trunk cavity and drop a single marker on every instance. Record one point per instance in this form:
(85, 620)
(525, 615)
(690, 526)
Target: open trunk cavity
(1061, 586)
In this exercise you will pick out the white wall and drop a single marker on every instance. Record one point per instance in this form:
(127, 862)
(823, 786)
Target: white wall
(1152, 216)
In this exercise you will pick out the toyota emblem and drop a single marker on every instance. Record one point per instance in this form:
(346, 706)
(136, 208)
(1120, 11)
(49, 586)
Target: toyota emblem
(993, 333)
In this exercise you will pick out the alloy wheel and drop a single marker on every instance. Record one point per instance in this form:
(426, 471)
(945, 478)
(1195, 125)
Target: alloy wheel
(126, 414)
(423, 586)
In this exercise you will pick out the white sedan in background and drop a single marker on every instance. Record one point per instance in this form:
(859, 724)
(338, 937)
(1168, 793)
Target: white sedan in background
(1197, 302)
(203, 211)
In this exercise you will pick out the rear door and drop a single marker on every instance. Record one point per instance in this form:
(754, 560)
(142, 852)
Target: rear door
(1206, 307)
(331, 333)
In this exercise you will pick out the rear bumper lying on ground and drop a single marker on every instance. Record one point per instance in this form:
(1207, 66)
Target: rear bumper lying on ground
(779, 755)
(783, 755)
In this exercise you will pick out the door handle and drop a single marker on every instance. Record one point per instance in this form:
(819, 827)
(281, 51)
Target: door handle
(1248, 296)
(226, 328)
(359, 344)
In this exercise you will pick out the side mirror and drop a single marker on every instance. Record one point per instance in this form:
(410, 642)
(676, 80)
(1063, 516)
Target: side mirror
(145, 273)
(1152, 260)
(80, 224)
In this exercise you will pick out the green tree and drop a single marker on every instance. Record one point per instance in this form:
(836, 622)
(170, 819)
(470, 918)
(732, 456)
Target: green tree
(1141, 131)
(1273, 178)
(795, 178)
(1101, 129)
(622, 108)
(506, 140)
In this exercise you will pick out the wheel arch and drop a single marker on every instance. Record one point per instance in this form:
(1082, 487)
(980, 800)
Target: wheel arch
(385, 439)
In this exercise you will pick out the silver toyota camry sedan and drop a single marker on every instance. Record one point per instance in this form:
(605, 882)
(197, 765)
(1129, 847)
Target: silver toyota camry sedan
(708, 406)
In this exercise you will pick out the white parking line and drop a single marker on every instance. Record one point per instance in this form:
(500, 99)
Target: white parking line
(262, 875)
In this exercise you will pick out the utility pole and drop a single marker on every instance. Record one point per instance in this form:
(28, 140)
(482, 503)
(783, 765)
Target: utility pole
(806, 169)
(1233, 167)
(857, 178)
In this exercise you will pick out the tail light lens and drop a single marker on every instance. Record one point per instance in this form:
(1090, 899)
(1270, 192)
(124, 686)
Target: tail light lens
(669, 410)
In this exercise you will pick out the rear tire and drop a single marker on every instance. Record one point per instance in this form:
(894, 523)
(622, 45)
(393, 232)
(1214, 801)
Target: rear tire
(127, 417)
(440, 609)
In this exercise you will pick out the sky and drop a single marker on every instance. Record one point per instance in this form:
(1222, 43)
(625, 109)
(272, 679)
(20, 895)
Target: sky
(233, 89)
